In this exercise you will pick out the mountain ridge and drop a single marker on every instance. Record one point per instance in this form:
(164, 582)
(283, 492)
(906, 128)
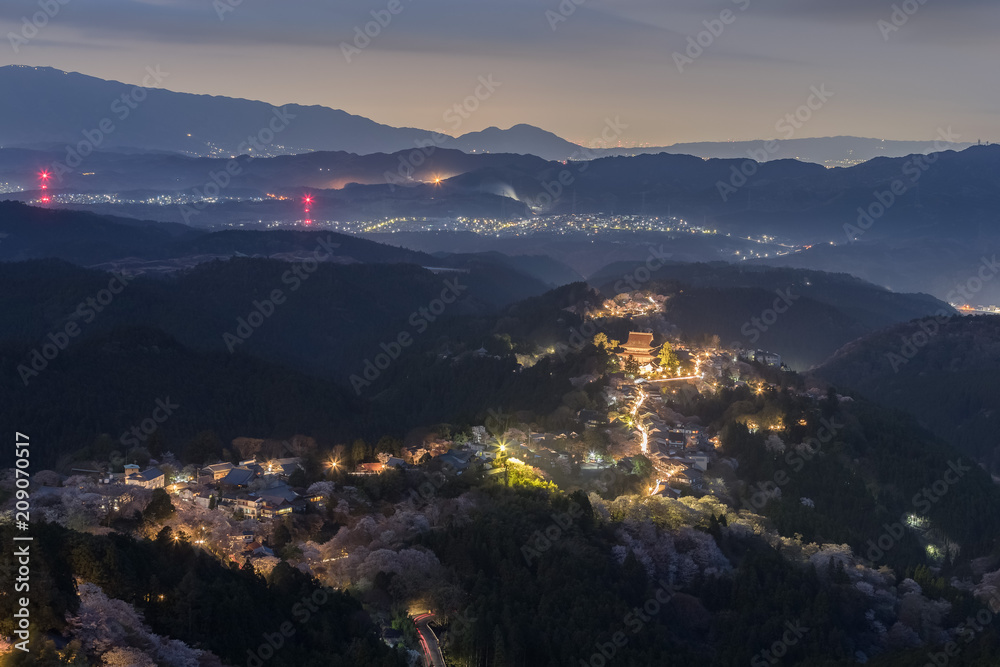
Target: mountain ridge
(27, 120)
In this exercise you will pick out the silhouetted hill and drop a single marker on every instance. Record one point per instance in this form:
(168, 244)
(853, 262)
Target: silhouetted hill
(108, 378)
(148, 247)
(952, 197)
(946, 267)
(53, 109)
(945, 372)
(552, 272)
(329, 320)
(822, 311)
(523, 139)
(86, 238)
(110, 382)
(827, 151)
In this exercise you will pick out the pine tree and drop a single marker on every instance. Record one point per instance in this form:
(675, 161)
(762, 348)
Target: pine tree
(631, 366)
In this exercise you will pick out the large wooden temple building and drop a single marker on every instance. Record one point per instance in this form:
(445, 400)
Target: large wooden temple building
(639, 346)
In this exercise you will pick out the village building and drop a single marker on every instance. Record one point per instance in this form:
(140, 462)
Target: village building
(214, 472)
(152, 478)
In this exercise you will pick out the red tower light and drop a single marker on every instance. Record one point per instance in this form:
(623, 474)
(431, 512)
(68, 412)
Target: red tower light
(43, 177)
(307, 200)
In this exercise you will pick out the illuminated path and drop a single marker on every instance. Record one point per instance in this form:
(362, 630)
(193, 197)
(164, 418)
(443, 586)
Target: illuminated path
(638, 422)
(686, 377)
(429, 641)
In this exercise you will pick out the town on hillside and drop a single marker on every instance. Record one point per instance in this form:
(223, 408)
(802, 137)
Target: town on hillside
(277, 501)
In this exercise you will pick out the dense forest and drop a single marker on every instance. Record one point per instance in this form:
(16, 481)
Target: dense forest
(647, 580)
(115, 374)
(855, 527)
(187, 594)
(944, 372)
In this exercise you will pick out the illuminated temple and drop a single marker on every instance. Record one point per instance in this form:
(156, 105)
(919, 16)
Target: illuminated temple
(640, 346)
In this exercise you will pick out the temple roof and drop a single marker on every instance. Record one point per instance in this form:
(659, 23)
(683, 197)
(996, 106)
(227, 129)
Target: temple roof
(639, 340)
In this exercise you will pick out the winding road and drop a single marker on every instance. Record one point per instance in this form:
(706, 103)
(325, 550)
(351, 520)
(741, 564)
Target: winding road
(429, 641)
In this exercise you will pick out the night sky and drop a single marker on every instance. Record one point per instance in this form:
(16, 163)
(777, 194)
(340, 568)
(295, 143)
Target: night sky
(566, 70)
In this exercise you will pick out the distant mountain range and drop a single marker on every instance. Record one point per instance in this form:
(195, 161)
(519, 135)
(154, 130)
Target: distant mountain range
(51, 109)
(151, 248)
(955, 197)
(717, 298)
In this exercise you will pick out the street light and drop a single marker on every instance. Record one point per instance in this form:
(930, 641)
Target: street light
(502, 446)
(332, 464)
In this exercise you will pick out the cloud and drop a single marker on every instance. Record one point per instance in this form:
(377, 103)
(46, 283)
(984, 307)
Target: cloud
(607, 56)
(504, 27)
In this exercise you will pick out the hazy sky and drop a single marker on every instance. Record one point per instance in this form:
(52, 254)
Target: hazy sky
(606, 59)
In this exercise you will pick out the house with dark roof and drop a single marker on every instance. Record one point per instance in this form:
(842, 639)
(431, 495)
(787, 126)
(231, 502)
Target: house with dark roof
(153, 478)
(278, 493)
(592, 418)
(691, 476)
(456, 459)
(282, 467)
(239, 477)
